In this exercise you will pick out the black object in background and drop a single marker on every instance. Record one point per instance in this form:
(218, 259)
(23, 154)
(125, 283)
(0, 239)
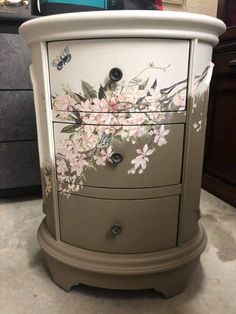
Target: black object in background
(131, 5)
(48, 8)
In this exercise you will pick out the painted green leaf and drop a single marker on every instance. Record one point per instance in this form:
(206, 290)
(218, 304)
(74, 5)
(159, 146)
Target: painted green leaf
(144, 84)
(101, 92)
(89, 91)
(81, 97)
(69, 128)
(73, 95)
(154, 85)
(110, 86)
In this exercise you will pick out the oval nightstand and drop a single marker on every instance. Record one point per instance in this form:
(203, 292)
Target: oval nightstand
(121, 100)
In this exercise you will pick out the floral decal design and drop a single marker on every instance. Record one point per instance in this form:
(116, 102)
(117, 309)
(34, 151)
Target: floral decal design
(139, 95)
(141, 160)
(198, 125)
(114, 113)
(60, 61)
(47, 180)
(200, 98)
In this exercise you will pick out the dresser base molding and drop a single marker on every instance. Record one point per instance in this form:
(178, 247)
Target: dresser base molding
(166, 271)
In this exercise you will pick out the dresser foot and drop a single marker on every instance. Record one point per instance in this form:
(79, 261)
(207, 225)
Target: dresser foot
(166, 272)
(62, 275)
(170, 291)
(174, 282)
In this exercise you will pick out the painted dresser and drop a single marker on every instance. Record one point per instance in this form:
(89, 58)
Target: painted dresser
(121, 101)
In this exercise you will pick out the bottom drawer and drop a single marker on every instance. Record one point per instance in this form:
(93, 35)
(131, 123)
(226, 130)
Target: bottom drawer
(119, 226)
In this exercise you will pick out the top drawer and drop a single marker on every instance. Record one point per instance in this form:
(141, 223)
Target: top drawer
(110, 75)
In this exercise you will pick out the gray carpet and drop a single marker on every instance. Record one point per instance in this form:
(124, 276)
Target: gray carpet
(26, 287)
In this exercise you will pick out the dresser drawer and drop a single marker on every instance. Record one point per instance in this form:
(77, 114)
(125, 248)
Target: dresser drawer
(118, 156)
(128, 75)
(119, 226)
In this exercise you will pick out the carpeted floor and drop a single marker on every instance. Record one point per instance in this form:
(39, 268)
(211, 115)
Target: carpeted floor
(26, 287)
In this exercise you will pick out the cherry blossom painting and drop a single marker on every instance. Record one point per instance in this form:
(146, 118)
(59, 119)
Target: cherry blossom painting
(46, 179)
(99, 118)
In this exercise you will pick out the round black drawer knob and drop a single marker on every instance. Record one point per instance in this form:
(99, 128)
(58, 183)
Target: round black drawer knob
(115, 74)
(116, 158)
(116, 229)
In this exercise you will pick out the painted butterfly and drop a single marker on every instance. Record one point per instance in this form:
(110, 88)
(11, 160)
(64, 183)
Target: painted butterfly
(61, 60)
(105, 140)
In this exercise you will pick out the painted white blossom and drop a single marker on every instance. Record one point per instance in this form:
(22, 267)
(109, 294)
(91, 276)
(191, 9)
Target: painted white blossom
(159, 135)
(198, 125)
(133, 94)
(140, 162)
(103, 156)
(155, 95)
(179, 100)
(61, 167)
(126, 112)
(47, 180)
(64, 103)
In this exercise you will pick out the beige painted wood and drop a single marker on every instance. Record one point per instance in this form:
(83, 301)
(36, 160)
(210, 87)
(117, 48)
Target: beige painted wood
(147, 225)
(127, 194)
(168, 283)
(164, 167)
(167, 271)
(39, 74)
(194, 144)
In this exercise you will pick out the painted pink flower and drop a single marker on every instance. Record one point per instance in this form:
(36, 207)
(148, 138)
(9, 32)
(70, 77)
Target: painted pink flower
(73, 187)
(137, 118)
(133, 94)
(155, 95)
(113, 104)
(103, 157)
(61, 167)
(78, 163)
(85, 106)
(129, 111)
(100, 105)
(140, 162)
(47, 180)
(179, 100)
(160, 134)
(64, 103)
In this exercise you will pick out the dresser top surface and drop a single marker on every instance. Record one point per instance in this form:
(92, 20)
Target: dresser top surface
(107, 24)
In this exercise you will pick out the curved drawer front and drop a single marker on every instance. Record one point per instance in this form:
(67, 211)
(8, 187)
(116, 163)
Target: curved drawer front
(119, 226)
(113, 75)
(119, 118)
(118, 156)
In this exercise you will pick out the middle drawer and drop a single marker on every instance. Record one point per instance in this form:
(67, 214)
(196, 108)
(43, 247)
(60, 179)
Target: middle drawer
(118, 156)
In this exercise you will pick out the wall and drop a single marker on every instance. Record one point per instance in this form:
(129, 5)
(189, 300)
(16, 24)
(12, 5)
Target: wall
(208, 7)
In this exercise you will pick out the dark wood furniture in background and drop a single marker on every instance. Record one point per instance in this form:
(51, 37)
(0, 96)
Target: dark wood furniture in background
(19, 164)
(219, 173)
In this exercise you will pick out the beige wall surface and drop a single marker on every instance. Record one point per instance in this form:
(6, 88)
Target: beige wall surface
(208, 7)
